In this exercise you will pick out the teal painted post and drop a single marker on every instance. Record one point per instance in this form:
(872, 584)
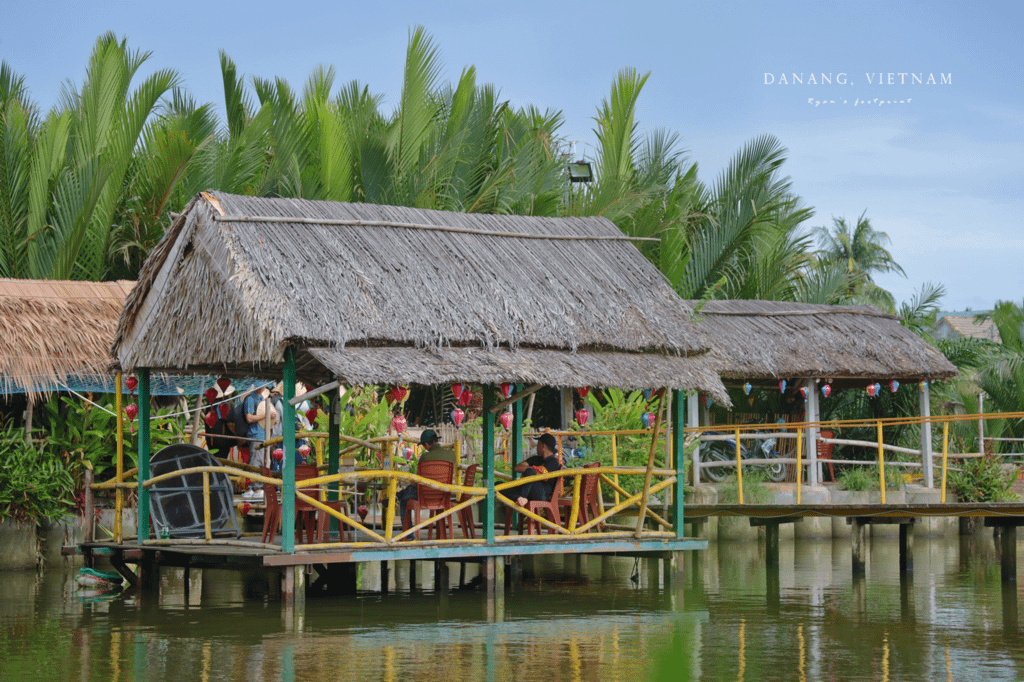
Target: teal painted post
(334, 446)
(679, 456)
(288, 470)
(488, 456)
(517, 429)
(142, 512)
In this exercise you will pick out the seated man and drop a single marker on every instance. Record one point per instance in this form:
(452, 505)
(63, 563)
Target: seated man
(546, 460)
(433, 450)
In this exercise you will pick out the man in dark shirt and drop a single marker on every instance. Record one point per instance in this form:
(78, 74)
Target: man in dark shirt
(546, 460)
(431, 450)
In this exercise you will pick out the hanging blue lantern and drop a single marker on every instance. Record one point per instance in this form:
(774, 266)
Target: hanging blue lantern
(645, 419)
(747, 387)
(647, 394)
(782, 386)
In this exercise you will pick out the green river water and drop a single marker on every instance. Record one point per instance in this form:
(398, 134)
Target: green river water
(724, 619)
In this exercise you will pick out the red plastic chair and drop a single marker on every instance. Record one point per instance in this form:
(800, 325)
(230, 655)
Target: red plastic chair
(825, 452)
(432, 499)
(466, 521)
(550, 507)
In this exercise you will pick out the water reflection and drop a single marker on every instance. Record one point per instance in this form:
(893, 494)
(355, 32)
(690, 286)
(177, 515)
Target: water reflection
(728, 617)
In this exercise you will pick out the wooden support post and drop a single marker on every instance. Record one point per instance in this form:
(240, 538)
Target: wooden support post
(441, 576)
(906, 548)
(88, 510)
(288, 444)
(859, 547)
(1008, 552)
(653, 573)
(142, 512)
(679, 450)
(385, 577)
(517, 428)
(413, 586)
(494, 580)
(771, 546)
(488, 457)
(185, 583)
(149, 572)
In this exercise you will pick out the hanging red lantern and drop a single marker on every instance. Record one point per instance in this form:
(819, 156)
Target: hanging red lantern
(826, 390)
(457, 390)
(457, 416)
(211, 419)
(399, 392)
(506, 389)
(224, 410)
(582, 416)
(871, 390)
(389, 397)
(211, 395)
(506, 419)
(362, 511)
(803, 391)
(131, 410)
(708, 402)
(399, 423)
(311, 414)
(278, 454)
(583, 391)
(223, 382)
(465, 398)
(131, 382)
(305, 451)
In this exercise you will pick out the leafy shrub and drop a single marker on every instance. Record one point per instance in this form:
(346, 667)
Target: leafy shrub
(754, 489)
(866, 478)
(981, 480)
(34, 484)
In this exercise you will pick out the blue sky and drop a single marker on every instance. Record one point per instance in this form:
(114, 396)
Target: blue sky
(942, 172)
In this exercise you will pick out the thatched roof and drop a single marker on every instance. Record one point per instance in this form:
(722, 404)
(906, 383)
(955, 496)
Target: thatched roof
(775, 339)
(51, 330)
(387, 294)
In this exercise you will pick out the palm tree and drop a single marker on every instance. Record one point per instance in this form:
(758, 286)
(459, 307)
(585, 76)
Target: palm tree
(861, 250)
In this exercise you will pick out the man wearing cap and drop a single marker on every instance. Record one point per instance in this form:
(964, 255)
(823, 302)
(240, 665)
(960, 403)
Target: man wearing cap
(432, 450)
(546, 460)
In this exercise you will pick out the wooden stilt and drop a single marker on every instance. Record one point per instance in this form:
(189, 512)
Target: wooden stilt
(906, 548)
(859, 547)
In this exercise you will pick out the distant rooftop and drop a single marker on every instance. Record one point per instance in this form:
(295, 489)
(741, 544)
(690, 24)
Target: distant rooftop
(962, 325)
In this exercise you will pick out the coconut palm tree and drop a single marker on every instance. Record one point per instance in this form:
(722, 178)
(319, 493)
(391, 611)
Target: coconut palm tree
(862, 250)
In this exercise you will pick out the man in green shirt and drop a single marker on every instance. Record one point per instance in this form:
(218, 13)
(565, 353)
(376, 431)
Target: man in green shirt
(432, 451)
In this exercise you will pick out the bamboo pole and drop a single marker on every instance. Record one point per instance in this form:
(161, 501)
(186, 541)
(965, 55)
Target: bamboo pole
(206, 506)
(650, 466)
(615, 463)
(945, 459)
(739, 467)
(881, 463)
(799, 463)
(575, 509)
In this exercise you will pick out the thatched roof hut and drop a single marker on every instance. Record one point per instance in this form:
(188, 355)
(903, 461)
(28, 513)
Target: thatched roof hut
(378, 294)
(51, 331)
(771, 340)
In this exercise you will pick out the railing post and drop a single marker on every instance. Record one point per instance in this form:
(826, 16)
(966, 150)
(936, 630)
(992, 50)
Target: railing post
(799, 462)
(679, 448)
(615, 463)
(333, 452)
(945, 456)
(693, 419)
(926, 436)
(207, 529)
(739, 467)
(119, 463)
(288, 444)
(142, 512)
(517, 428)
(488, 457)
(881, 462)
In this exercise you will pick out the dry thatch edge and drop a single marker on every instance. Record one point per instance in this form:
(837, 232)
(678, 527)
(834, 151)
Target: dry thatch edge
(421, 226)
(799, 313)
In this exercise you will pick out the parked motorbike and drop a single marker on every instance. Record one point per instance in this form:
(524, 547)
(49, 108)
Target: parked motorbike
(725, 451)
